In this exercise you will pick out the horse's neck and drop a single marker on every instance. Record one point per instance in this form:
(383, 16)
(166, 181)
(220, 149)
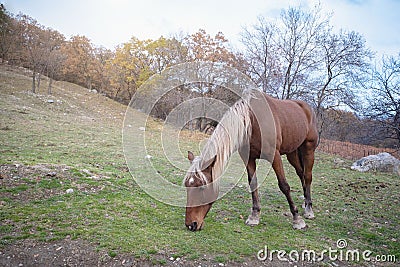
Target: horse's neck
(229, 135)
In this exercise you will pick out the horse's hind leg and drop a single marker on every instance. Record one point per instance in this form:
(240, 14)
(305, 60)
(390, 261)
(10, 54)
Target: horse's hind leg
(307, 152)
(254, 217)
(298, 222)
(295, 161)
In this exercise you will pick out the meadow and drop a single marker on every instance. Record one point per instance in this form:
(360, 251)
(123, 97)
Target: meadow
(74, 142)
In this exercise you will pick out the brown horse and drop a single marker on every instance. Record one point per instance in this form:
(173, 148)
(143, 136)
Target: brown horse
(257, 126)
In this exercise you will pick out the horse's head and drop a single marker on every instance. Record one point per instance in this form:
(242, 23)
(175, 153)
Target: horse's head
(200, 192)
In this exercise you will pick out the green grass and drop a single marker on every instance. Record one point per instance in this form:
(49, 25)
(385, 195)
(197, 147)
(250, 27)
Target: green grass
(83, 132)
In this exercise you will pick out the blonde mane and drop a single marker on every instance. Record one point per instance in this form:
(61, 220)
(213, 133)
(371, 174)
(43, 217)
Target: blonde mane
(232, 131)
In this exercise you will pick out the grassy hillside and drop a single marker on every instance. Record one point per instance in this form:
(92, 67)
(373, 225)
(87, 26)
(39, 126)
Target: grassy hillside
(75, 143)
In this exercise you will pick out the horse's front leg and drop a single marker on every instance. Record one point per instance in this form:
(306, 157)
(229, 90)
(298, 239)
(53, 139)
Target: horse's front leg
(254, 217)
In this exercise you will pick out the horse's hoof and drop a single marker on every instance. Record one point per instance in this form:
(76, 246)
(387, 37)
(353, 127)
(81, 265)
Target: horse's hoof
(299, 224)
(252, 220)
(309, 214)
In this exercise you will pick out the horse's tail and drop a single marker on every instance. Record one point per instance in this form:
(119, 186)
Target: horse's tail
(313, 124)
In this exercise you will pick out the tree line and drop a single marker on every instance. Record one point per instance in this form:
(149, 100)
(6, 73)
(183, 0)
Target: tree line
(297, 56)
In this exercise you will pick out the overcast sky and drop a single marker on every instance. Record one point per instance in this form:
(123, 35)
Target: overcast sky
(112, 22)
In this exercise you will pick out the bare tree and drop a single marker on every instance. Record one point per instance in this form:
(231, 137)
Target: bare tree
(345, 66)
(300, 56)
(284, 54)
(261, 55)
(384, 102)
(298, 40)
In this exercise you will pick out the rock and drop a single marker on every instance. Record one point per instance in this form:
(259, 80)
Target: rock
(69, 191)
(396, 170)
(51, 174)
(383, 162)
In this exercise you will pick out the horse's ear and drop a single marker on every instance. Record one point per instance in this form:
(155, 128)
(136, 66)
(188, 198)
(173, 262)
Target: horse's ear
(190, 156)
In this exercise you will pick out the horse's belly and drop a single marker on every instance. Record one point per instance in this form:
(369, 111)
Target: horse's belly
(293, 135)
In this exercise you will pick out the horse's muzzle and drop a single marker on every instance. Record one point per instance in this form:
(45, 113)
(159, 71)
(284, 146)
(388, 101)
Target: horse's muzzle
(192, 227)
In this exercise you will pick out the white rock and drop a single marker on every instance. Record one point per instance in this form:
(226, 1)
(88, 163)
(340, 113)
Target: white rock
(70, 191)
(380, 162)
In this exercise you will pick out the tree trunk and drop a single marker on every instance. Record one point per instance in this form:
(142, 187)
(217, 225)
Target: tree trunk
(39, 77)
(34, 82)
(49, 88)
(396, 124)
(89, 83)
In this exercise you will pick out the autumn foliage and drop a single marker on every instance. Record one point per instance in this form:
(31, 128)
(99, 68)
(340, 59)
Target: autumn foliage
(117, 73)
